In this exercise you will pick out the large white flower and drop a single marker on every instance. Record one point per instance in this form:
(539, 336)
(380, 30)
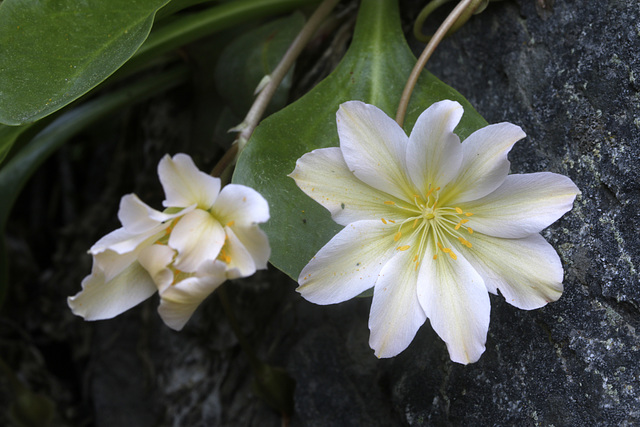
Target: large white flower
(204, 236)
(431, 224)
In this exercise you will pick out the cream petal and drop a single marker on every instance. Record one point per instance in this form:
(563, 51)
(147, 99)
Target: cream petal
(324, 176)
(434, 152)
(100, 299)
(396, 314)
(527, 271)
(456, 302)
(239, 261)
(374, 148)
(484, 162)
(122, 241)
(197, 237)
(240, 205)
(348, 264)
(112, 263)
(522, 205)
(137, 217)
(156, 259)
(184, 184)
(178, 302)
(256, 242)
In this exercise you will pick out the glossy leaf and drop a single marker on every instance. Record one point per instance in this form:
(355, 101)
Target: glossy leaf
(54, 51)
(250, 57)
(374, 70)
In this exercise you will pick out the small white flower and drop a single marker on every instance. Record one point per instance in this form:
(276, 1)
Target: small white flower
(203, 237)
(431, 224)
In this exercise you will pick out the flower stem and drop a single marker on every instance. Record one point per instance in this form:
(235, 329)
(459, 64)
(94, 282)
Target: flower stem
(261, 102)
(467, 6)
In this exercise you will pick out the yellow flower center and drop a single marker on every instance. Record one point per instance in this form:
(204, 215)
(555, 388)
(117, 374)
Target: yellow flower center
(425, 221)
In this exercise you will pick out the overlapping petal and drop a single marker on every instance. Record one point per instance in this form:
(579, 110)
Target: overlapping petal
(156, 259)
(240, 205)
(240, 263)
(179, 301)
(137, 217)
(434, 152)
(324, 176)
(527, 271)
(456, 302)
(522, 205)
(184, 184)
(374, 147)
(396, 313)
(348, 264)
(100, 299)
(484, 162)
(197, 237)
(256, 242)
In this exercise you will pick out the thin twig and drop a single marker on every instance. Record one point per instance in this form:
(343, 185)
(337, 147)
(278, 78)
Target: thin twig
(428, 51)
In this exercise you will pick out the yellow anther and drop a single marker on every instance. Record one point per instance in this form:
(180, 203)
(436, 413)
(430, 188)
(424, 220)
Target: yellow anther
(415, 222)
(403, 248)
(415, 258)
(440, 246)
(230, 223)
(437, 189)
(470, 230)
(469, 213)
(391, 221)
(465, 242)
(397, 236)
(452, 255)
(435, 256)
(462, 221)
(417, 263)
(429, 192)
(384, 221)
(389, 202)
(459, 210)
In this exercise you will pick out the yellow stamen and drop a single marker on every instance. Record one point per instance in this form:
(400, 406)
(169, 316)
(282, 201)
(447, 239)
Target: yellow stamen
(384, 221)
(230, 223)
(470, 230)
(469, 213)
(391, 221)
(389, 202)
(459, 210)
(397, 236)
(435, 256)
(415, 258)
(462, 221)
(403, 248)
(453, 256)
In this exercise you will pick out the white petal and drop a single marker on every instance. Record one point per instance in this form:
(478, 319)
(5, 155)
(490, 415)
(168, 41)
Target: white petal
(527, 271)
(112, 263)
(324, 176)
(434, 153)
(137, 217)
(240, 205)
(122, 241)
(374, 147)
(484, 162)
(255, 241)
(522, 205)
(100, 299)
(240, 262)
(184, 184)
(396, 314)
(456, 302)
(348, 264)
(178, 302)
(156, 259)
(197, 237)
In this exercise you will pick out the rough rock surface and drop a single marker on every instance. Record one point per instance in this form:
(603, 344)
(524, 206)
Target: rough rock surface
(568, 74)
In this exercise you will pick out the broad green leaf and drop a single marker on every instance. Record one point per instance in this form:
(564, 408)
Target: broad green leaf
(374, 70)
(54, 51)
(250, 57)
(8, 135)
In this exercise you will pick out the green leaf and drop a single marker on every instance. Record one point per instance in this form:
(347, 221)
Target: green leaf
(250, 57)
(54, 51)
(374, 70)
(17, 171)
(8, 135)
